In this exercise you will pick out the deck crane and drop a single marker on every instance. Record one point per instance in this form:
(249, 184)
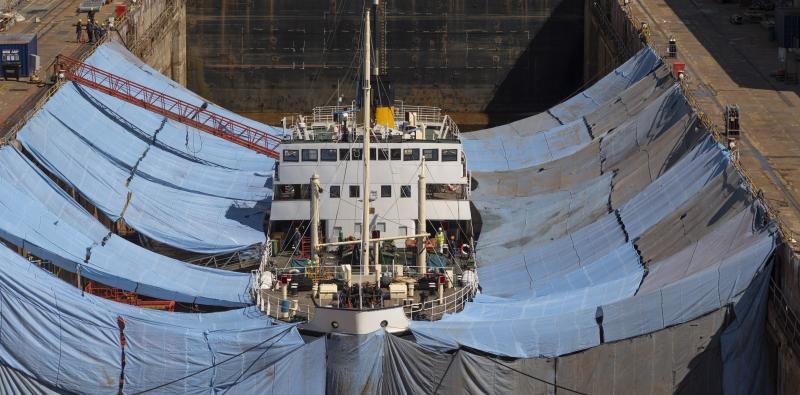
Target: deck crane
(199, 117)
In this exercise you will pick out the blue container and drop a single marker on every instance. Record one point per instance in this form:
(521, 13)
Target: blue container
(284, 305)
(19, 46)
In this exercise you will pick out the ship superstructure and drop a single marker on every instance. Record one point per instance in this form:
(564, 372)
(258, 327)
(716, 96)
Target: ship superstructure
(354, 205)
(331, 146)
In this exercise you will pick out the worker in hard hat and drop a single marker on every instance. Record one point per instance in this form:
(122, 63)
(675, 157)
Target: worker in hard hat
(78, 30)
(90, 30)
(451, 245)
(440, 237)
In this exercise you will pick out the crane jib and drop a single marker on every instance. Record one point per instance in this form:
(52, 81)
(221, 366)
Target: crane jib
(198, 117)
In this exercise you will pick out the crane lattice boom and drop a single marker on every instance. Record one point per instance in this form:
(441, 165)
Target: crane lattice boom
(198, 117)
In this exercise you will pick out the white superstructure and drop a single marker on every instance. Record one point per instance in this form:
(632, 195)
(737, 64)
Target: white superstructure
(334, 151)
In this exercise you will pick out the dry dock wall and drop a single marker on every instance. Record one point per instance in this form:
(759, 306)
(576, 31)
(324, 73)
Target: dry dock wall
(155, 31)
(610, 38)
(498, 58)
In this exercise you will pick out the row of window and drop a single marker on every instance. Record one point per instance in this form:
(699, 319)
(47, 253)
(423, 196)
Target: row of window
(355, 191)
(432, 191)
(343, 154)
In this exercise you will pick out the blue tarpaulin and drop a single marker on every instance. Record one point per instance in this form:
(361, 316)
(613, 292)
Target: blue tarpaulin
(43, 219)
(53, 333)
(179, 186)
(586, 238)
(611, 216)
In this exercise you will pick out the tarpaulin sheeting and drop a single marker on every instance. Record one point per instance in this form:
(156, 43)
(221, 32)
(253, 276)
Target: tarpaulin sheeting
(188, 141)
(587, 238)
(43, 219)
(612, 216)
(560, 313)
(137, 165)
(571, 109)
(53, 334)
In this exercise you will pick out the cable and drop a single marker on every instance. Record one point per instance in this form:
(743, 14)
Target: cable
(282, 335)
(536, 378)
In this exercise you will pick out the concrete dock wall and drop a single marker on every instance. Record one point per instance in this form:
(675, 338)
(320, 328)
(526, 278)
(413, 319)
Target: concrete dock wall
(494, 60)
(155, 31)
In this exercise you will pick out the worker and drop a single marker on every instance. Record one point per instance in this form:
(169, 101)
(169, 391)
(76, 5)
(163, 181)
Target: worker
(440, 237)
(90, 30)
(451, 245)
(101, 31)
(91, 17)
(297, 238)
(78, 30)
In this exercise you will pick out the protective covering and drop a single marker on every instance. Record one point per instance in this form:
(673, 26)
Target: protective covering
(613, 216)
(620, 221)
(51, 332)
(182, 187)
(43, 219)
(636, 68)
(188, 141)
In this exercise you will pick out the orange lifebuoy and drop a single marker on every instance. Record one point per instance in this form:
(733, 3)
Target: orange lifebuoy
(465, 249)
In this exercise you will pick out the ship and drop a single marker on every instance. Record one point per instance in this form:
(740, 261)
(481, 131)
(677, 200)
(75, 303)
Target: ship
(619, 246)
(353, 216)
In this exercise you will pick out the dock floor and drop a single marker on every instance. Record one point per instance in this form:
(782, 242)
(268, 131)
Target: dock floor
(734, 64)
(55, 35)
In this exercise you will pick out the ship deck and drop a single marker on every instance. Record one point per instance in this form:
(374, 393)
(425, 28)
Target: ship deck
(420, 304)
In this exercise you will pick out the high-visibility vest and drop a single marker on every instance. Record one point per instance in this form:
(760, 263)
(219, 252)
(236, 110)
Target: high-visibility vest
(440, 238)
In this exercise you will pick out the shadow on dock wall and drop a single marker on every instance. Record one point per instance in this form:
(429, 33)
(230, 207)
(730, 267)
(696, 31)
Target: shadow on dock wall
(506, 58)
(549, 71)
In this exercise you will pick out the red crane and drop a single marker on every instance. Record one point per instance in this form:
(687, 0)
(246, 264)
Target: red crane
(198, 117)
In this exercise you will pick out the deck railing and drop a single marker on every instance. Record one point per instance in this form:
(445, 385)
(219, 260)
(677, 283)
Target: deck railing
(434, 309)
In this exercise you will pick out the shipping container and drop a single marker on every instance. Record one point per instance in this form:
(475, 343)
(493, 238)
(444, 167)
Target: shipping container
(17, 49)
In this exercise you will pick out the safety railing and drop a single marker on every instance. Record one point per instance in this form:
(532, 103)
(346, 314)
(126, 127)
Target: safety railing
(324, 114)
(434, 309)
(449, 128)
(291, 310)
(425, 114)
(785, 316)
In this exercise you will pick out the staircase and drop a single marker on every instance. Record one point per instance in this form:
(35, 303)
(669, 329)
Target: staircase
(305, 247)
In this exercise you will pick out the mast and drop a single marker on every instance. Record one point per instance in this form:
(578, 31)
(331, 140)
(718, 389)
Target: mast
(365, 235)
(422, 219)
(315, 190)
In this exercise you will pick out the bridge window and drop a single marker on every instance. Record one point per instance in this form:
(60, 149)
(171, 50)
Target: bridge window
(355, 191)
(328, 154)
(396, 154)
(386, 191)
(383, 154)
(344, 154)
(292, 192)
(310, 155)
(335, 191)
(291, 155)
(411, 154)
(446, 191)
(449, 155)
(372, 154)
(405, 191)
(356, 155)
(430, 154)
